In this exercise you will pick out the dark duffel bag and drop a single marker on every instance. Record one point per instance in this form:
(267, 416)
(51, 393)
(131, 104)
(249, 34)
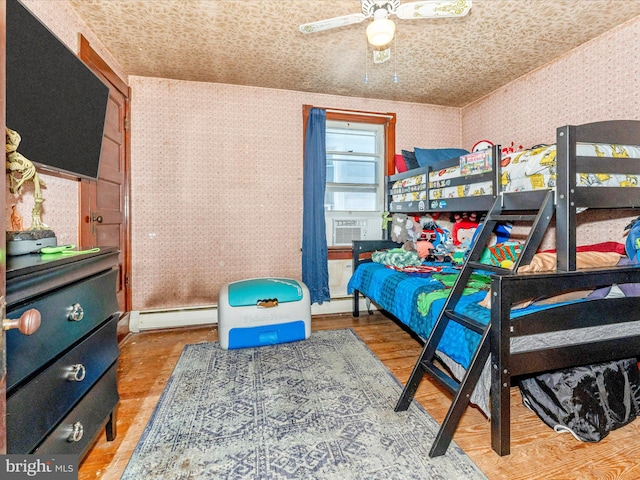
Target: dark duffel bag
(587, 401)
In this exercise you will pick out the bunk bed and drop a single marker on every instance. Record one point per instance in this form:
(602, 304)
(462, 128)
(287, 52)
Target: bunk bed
(508, 341)
(447, 185)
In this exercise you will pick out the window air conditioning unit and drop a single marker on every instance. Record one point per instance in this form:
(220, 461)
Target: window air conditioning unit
(347, 230)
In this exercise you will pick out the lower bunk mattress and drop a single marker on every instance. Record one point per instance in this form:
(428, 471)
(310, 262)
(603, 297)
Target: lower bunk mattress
(416, 298)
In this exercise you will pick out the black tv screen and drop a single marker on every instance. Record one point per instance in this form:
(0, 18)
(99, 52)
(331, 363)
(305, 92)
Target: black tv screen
(54, 101)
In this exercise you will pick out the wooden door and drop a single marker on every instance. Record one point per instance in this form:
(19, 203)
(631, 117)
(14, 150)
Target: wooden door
(3, 266)
(104, 211)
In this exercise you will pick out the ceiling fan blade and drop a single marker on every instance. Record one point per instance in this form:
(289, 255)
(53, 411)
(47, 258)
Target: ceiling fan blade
(332, 23)
(433, 9)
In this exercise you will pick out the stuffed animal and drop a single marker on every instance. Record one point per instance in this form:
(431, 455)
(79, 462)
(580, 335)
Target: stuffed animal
(501, 234)
(424, 248)
(632, 245)
(464, 228)
(399, 228)
(386, 220)
(405, 230)
(414, 230)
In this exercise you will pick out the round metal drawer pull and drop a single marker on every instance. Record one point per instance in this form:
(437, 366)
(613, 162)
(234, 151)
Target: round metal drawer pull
(77, 313)
(77, 373)
(76, 433)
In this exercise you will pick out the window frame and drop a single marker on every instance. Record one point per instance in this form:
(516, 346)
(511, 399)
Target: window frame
(387, 119)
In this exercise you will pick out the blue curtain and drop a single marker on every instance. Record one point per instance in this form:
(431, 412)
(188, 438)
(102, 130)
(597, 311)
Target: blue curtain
(315, 269)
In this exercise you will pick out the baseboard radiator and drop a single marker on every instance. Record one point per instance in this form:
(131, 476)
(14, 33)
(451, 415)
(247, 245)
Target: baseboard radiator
(208, 315)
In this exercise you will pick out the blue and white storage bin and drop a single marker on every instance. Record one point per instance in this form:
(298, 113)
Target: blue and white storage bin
(263, 311)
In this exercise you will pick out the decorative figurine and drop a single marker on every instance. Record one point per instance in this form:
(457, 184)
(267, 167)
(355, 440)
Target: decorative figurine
(20, 171)
(16, 220)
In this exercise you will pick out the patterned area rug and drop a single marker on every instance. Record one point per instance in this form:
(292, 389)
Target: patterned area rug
(321, 408)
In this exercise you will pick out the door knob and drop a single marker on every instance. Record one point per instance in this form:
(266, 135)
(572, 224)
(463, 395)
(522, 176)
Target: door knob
(97, 218)
(28, 322)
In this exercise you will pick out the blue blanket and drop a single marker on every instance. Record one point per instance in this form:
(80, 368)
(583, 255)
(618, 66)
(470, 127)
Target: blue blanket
(417, 300)
(401, 294)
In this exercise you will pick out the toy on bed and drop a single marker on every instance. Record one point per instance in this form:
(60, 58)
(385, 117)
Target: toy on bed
(424, 235)
(435, 242)
(632, 245)
(464, 226)
(405, 230)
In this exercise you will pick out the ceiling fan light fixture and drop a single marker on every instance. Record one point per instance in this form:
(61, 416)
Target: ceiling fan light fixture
(380, 32)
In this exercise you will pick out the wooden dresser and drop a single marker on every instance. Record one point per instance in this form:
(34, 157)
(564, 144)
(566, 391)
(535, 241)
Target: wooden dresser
(61, 380)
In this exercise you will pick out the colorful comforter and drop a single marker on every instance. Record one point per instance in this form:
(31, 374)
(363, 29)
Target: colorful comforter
(520, 171)
(536, 168)
(417, 299)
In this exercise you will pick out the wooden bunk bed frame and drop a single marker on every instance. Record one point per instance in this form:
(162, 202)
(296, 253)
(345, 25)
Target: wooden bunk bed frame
(508, 288)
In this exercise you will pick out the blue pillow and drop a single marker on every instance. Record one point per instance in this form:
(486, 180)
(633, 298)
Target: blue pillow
(429, 157)
(410, 159)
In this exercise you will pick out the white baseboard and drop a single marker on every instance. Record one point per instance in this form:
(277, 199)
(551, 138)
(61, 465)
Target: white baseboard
(192, 317)
(188, 317)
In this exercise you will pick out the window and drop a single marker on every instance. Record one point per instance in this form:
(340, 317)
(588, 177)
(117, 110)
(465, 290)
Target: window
(354, 199)
(354, 167)
(360, 152)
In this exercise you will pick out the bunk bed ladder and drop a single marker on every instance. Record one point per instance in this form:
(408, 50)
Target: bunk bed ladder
(506, 208)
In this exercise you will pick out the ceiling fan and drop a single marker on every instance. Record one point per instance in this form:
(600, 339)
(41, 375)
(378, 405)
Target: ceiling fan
(381, 30)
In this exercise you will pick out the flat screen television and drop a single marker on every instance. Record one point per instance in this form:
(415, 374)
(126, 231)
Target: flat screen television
(56, 104)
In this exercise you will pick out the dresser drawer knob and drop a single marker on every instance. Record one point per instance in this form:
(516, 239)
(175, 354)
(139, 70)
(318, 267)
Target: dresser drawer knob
(76, 433)
(28, 322)
(77, 373)
(77, 313)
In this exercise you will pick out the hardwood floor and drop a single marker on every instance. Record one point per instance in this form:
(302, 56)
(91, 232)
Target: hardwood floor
(147, 360)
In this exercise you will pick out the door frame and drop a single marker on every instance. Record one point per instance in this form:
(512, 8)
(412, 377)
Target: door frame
(93, 60)
(3, 264)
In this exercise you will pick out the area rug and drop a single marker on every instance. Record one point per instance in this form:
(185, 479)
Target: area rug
(320, 408)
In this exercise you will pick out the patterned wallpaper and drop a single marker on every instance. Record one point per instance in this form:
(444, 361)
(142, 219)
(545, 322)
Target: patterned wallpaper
(598, 81)
(217, 182)
(217, 169)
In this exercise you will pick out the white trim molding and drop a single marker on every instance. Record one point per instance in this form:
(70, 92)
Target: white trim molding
(208, 315)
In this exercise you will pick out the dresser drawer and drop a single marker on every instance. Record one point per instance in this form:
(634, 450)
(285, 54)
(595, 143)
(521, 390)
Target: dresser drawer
(34, 408)
(89, 417)
(26, 354)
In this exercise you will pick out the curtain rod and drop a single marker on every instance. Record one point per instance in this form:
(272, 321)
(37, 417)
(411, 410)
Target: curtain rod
(364, 114)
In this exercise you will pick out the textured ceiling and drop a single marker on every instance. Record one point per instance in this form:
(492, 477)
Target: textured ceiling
(446, 61)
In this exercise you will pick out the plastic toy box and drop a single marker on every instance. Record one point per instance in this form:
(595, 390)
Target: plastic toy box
(263, 311)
